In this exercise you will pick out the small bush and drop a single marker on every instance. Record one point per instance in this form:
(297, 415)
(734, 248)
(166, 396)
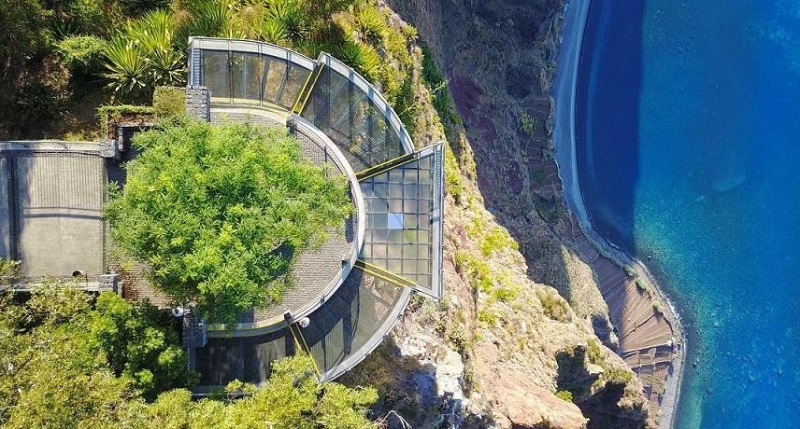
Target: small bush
(629, 271)
(565, 395)
(553, 305)
(497, 239)
(503, 294)
(642, 286)
(169, 102)
(617, 376)
(458, 337)
(527, 124)
(371, 23)
(487, 316)
(362, 58)
(438, 84)
(81, 54)
(594, 353)
(539, 176)
(657, 308)
(452, 176)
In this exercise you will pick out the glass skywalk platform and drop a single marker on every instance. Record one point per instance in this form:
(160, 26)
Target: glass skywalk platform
(395, 236)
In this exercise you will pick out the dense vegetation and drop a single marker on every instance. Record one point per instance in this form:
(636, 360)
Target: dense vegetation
(63, 357)
(68, 360)
(61, 59)
(219, 211)
(71, 362)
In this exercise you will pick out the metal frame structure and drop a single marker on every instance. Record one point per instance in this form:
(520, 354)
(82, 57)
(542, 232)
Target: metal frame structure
(397, 191)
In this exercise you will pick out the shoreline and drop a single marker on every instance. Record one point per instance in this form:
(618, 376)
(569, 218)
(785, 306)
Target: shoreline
(571, 37)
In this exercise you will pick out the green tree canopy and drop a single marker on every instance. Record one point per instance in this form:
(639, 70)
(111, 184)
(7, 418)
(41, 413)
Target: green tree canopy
(219, 211)
(135, 345)
(59, 365)
(58, 356)
(293, 398)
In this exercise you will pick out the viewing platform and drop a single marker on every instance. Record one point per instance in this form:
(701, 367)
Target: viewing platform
(393, 240)
(347, 293)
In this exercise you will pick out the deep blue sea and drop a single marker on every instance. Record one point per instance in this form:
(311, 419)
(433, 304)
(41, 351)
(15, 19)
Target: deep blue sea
(688, 126)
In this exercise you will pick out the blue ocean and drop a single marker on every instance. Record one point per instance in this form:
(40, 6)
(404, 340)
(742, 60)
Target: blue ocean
(688, 141)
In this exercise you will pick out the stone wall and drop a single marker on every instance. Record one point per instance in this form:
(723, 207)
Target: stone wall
(198, 102)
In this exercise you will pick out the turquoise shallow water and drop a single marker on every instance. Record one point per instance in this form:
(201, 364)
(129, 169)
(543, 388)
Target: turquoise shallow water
(688, 146)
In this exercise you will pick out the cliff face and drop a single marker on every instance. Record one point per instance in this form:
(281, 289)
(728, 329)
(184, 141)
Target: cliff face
(503, 347)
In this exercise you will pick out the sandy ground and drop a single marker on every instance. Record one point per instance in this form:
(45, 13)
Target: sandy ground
(653, 344)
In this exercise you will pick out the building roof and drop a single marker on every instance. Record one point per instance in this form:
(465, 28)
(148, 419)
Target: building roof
(51, 197)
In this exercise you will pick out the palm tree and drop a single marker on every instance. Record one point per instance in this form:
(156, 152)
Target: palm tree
(361, 57)
(155, 33)
(127, 67)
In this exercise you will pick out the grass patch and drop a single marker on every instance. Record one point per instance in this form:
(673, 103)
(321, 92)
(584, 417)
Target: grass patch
(565, 395)
(553, 305)
(594, 352)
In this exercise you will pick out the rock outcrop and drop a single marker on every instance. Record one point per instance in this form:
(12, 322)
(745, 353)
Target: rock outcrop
(522, 336)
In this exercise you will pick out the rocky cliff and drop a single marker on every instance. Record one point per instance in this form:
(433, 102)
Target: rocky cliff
(522, 336)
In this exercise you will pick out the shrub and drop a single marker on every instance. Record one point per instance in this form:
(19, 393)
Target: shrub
(553, 305)
(539, 176)
(617, 376)
(657, 308)
(497, 239)
(371, 23)
(81, 54)
(126, 67)
(594, 352)
(629, 271)
(487, 316)
(527, 124)
(169, 102)
(504, 294)
(438, 84)
(565, 395)
(362, 58)
(142, 55)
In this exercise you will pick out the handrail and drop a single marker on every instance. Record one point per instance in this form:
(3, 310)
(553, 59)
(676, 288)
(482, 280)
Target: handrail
(373, 94)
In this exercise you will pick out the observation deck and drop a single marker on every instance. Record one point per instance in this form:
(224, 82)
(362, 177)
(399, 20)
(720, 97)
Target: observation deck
(352, 290)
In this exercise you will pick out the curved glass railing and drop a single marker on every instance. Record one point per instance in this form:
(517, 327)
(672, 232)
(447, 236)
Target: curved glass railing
(399, 192)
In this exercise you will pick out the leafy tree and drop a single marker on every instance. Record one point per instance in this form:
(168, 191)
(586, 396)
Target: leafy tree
(219, 211)
(49, 377)
(293, 398)
(136, 346)
(56, 371)
(24, 40)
